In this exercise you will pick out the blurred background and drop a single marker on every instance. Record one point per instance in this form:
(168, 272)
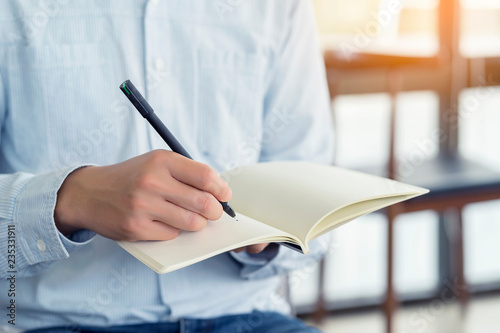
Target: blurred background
(415, 89)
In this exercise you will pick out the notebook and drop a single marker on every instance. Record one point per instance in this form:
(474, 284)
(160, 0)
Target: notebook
(287, 202)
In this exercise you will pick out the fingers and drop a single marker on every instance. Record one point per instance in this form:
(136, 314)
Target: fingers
(256, 248)
(199, 175)
(159, 193)
(156, 230)
(136, 229)
(177, 217)
(192, 199)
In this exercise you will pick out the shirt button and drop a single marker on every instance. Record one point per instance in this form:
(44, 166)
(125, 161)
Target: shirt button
(159, 65)
(40, 245)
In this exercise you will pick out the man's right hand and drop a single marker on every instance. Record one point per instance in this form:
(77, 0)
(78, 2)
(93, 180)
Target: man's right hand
(148, 197)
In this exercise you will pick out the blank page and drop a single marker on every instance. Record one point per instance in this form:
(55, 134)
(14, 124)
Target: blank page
(294, 196)
(190, 247)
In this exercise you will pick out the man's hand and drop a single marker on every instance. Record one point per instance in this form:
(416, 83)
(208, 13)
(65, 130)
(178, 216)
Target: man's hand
(148, 197)
(257, 248)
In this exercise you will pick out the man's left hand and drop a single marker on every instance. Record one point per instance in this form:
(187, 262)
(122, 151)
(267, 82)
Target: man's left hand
(257, 248)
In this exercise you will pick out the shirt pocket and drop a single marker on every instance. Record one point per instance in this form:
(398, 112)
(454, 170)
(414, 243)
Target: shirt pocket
(229, 107)
(58, 98)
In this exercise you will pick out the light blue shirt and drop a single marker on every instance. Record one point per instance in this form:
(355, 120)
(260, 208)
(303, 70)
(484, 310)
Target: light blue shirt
(237, 82)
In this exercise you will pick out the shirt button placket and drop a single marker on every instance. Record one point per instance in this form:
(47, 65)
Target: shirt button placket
(159, 64)
(154, 63)
(149, 64)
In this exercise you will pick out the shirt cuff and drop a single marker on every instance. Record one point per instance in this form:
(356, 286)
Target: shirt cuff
(255, 262)
(278, 260)
(40, 240)
(76, 239)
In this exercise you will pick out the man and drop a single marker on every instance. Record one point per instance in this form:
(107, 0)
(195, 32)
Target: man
(237, 82)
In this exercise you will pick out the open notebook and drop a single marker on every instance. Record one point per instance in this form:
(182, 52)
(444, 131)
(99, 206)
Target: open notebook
(292, 202)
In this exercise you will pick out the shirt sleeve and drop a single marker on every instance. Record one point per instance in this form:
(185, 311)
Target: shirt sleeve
(29, 238)
(27, 219)
(297, 113)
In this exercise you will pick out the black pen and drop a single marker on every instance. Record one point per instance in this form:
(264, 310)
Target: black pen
(147, 112)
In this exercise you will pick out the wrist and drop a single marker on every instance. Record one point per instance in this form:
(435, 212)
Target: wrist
(68, 204)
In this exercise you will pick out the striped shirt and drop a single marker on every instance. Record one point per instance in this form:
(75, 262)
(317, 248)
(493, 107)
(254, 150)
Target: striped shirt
(237, 82)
